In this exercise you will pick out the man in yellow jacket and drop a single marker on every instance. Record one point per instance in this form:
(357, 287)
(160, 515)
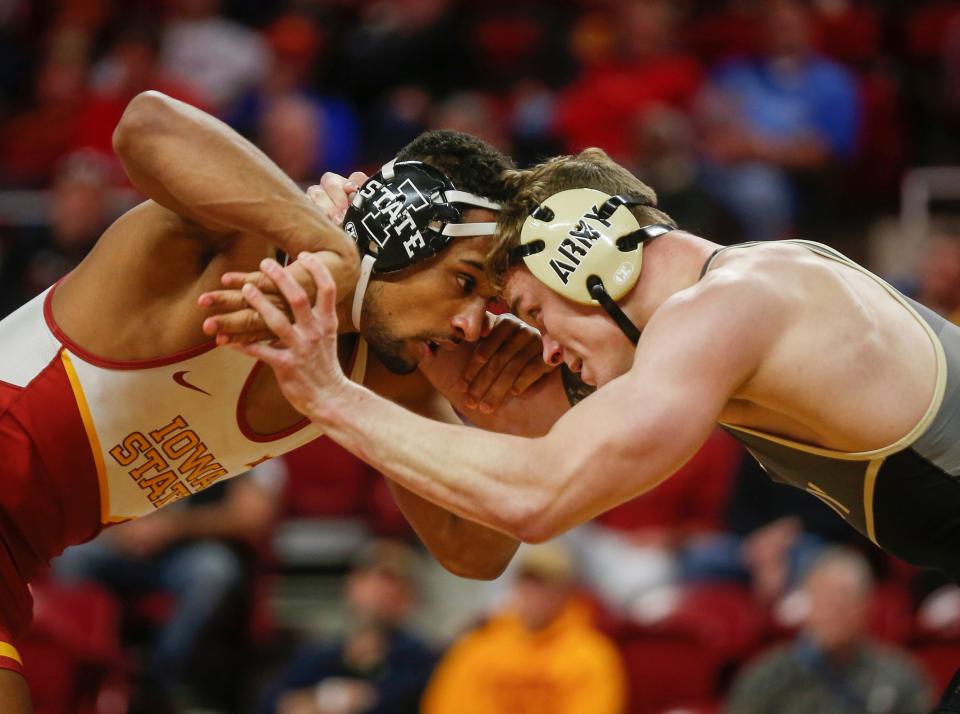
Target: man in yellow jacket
(540, 655)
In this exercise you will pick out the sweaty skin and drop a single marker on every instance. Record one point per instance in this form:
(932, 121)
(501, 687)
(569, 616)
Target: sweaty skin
(757, 343)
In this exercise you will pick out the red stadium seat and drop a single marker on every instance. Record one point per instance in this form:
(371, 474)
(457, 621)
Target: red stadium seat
(72, 653)
(940, 661)
(722, 618)
(667, 673)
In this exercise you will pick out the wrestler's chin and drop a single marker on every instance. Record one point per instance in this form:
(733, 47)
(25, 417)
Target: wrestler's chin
(597, 375)
(587, 376)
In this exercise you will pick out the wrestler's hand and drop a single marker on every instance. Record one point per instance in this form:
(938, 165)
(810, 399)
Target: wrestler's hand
(304, 356)
(506, 360)
(235, 321)
(334, 193)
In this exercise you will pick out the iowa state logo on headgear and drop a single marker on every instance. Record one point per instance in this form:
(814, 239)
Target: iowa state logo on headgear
(404, 214)
(408, 212)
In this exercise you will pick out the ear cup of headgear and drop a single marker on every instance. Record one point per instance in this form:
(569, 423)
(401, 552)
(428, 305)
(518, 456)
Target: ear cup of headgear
(570, 237)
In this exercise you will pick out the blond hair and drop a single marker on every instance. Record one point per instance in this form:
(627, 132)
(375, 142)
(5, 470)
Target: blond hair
(591, 168)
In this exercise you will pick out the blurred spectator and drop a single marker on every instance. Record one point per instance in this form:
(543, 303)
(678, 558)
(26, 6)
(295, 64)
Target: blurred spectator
(771, 534)
(215, 56)
(130, 67)
(632, 548)
(32, 141)
(377, 667)
(728, 32)
(833, 668)
(308, 133)
(291, 132)
(79, 212)
(951, 65)
(531, 109)
(938, 275)
(646, 71)
(517, 41)
(769, 120)
(663, 143)
(202, 553)
(540, 654)
(401, 42)
(847, 30)
(474, 113)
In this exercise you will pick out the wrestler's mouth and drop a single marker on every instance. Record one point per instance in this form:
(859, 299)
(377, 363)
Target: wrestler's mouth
(436, 345)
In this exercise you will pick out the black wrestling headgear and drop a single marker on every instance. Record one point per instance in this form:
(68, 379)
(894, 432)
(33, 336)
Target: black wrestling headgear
(404, 214)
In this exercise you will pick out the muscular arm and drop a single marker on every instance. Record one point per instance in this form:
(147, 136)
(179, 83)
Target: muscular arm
(463, 547)
(615, 445)
(199, 168)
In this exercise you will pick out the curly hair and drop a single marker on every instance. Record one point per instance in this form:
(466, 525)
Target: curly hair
(527, 188)
(470, 163)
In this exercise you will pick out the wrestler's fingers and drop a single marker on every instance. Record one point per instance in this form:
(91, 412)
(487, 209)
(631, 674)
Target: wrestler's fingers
(501, 387)
(333, 194)
(485, 349)
(326, 287)
(531, 374)
(235, 281)
(291, 290)
(234, 324)
(274, 318)
(504, 367)
(273, 356)
(222, 300)
(357, 178)
(489, 321)
(242, 320)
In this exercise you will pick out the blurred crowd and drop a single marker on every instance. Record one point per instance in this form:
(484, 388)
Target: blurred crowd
(719, 591)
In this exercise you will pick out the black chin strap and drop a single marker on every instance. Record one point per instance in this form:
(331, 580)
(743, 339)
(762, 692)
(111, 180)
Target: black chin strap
(600, 294)
(625, 243)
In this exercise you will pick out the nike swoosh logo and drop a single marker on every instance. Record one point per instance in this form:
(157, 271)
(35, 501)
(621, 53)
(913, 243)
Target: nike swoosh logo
(179, 378)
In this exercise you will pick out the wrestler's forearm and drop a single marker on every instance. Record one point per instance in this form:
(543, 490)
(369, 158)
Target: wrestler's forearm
(595, 457)
(497, 480)
(463, 547)
(198, 167)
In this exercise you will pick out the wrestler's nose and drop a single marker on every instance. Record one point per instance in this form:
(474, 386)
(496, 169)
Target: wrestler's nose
(552, 351)
(469, 322)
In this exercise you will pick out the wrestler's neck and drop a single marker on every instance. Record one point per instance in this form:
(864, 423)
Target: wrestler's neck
(670, 264)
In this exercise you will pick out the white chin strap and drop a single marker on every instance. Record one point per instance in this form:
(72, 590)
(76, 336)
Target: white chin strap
(366, 268)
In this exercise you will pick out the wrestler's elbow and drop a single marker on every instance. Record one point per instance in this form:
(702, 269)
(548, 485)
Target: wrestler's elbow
(539, 528)
(478, 565)
(532, 518)
(145, 116)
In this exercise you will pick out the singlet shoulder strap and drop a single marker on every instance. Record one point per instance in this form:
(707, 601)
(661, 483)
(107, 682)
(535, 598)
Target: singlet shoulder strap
(716, 254)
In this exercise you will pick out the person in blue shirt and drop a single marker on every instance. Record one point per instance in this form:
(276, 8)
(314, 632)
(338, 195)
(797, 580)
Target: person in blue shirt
(770, 119)
(376, 667)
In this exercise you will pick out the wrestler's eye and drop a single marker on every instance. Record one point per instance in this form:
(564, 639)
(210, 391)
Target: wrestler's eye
(467, 282)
